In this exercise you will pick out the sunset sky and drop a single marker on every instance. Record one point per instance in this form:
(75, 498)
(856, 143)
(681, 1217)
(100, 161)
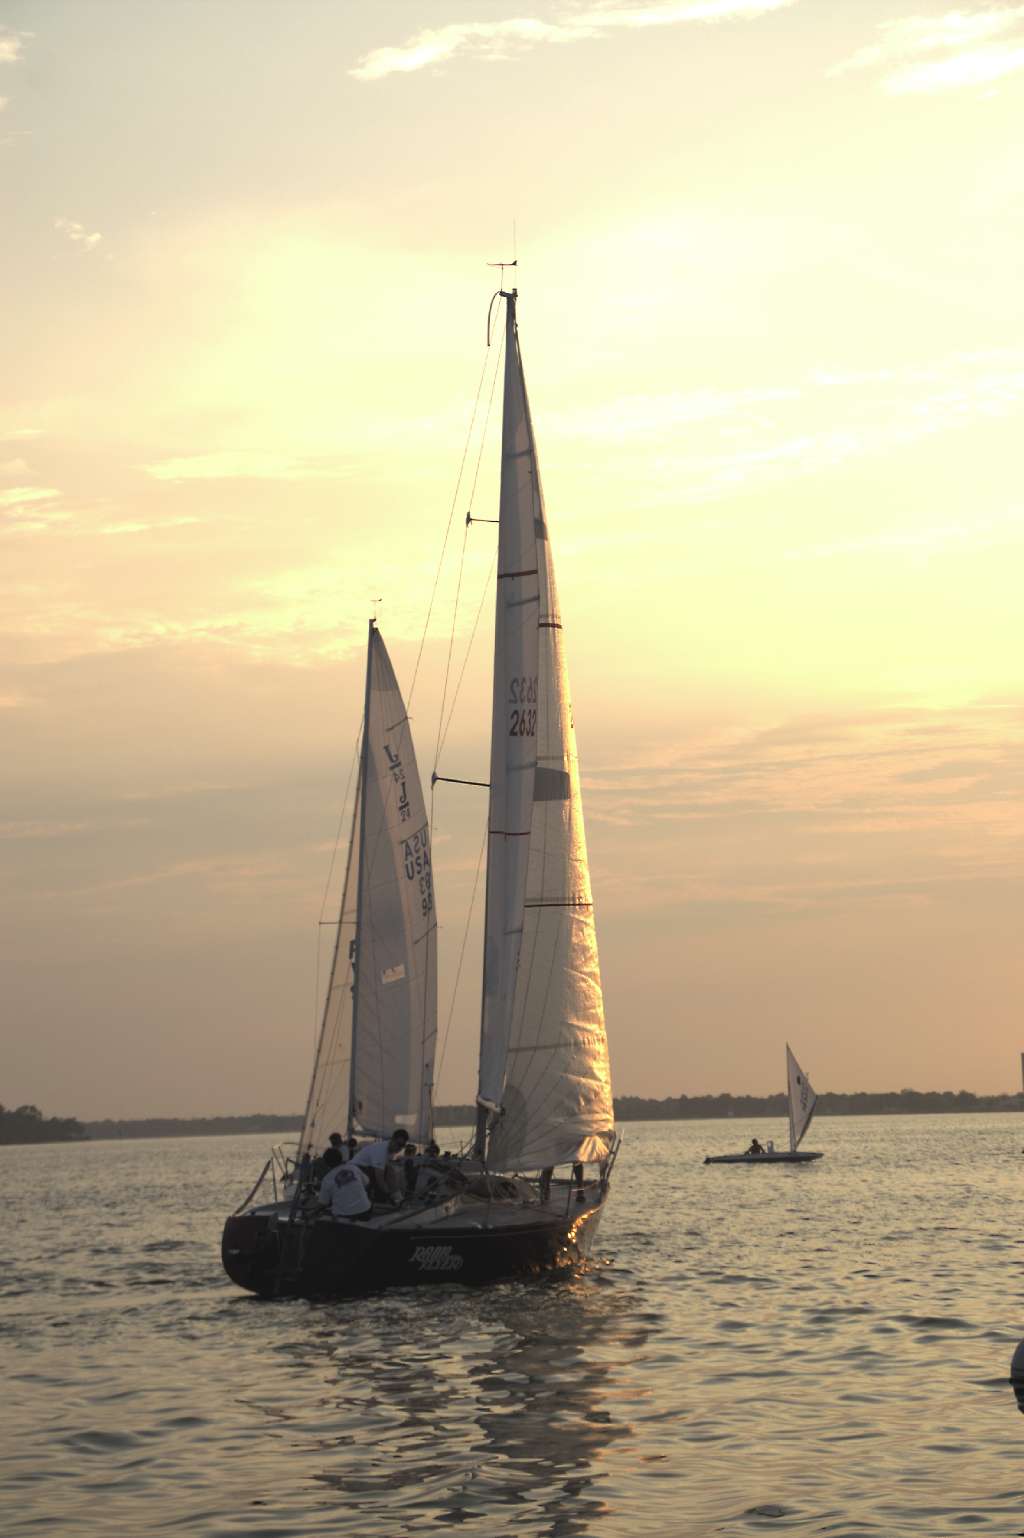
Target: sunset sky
(772, 317)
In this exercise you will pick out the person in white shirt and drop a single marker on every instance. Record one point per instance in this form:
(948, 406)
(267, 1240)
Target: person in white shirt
(344, 1190)
(375, 1159)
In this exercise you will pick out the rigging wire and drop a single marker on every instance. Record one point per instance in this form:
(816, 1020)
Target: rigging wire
(448, 527)
(444, 725)
(462, 956)
(465, 659)
(462, 561)
(327, 885)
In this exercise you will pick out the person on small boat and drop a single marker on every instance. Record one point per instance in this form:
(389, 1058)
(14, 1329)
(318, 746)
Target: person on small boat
(376, 1158)
(755, 1147)
(345, 1191)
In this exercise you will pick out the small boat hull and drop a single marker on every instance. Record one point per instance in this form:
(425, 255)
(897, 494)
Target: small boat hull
(269, 1252)
(782, 1157)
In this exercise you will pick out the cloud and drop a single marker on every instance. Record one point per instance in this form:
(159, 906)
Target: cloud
(128, 527)
(30, 510)
(709, 443)
(950, 537)
(26, 496)
(974, 47)
(77, 233)
(884, 803)
(10, 47)
(19, 434)
(14, 467)
(242, 464)
(35, 830)
(505, 39)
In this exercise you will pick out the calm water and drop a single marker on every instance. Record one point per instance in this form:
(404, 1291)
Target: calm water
(821, 1350)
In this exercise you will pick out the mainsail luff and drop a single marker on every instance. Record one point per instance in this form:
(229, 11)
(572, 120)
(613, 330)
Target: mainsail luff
(360, 880)
(544, 1056)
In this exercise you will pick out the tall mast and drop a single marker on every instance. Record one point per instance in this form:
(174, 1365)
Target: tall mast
(361, 799)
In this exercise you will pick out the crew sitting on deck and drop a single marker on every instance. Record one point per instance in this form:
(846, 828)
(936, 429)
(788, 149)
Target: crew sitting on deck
(336, 1148)
(755, 1147)
(410, 1168)
(375, 1159)
(344, 1191)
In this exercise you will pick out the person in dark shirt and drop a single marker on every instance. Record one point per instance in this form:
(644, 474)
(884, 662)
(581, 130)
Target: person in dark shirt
(328, 1160)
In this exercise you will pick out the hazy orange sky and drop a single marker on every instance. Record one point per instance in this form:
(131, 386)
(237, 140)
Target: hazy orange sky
(773, 324)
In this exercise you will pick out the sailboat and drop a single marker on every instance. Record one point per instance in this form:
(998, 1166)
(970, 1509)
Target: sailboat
(802, 1101)
(527, 1194)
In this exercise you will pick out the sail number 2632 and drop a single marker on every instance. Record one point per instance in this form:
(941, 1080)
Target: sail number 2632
(522, 699)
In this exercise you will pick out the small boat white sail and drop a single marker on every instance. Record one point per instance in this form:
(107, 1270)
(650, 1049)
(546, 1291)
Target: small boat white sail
(544, 1098)
(801, 1103)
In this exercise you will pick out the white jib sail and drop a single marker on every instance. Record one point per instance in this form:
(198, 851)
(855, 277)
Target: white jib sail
(802, 1100)
(375, 1058)
(544, 1054)
(395, 976)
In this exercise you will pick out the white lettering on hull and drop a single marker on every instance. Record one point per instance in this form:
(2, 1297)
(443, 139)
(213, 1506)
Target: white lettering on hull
(436, 1257)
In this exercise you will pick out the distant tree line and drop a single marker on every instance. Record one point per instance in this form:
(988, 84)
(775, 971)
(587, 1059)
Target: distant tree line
(27, 1124)
(901, 1102)
(193, 1126)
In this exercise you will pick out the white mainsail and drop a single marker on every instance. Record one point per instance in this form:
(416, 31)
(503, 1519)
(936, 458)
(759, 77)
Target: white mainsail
(374, 1063)
(544, 1054)
(802, 1100)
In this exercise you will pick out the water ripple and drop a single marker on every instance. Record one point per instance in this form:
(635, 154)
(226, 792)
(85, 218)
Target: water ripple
(822, 1355)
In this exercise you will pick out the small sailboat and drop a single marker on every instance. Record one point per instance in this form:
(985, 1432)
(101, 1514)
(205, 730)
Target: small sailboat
(544, 1101)
(802, 1101)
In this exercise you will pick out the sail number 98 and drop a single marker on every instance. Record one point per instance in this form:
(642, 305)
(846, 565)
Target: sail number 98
(522, 696)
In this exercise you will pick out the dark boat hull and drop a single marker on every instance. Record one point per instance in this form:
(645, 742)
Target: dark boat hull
(781, 1157)
(267, 1252)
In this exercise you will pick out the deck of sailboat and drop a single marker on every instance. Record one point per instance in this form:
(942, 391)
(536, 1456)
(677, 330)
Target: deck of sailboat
(467, 1212)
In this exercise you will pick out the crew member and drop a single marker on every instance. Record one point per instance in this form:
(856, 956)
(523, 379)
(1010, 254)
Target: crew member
(375, 1159)
(344, 1191)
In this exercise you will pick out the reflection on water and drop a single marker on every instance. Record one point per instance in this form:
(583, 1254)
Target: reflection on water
(750, 1353)
(504, 1403)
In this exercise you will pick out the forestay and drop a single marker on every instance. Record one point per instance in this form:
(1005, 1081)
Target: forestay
(802, 1100)
(374, 1065)
(327, 1108)
(544, 1055)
